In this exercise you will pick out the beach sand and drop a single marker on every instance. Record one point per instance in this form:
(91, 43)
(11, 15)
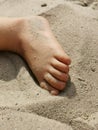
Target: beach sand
(23, 104)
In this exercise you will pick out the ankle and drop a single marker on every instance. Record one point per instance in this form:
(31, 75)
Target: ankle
(19, 30)
(10, 29)
(19, 25)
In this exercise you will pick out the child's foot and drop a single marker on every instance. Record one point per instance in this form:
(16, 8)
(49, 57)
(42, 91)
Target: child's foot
(44, 55)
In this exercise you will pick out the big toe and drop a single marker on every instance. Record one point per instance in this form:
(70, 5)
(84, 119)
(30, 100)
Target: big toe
(63, 57)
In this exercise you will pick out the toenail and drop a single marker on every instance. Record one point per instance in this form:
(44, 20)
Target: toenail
(47, 76)
(54, 92)
(62, 87)
(67, 69)
(67, 77)
(42, 84)
(69, 61)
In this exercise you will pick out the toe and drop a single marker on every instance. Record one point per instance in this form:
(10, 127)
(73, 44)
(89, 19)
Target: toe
(46, 86)
(59, 65)
(55, 83)
(64, 58)
(58, 74)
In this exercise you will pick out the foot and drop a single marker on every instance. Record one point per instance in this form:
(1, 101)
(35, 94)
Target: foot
(44, 55)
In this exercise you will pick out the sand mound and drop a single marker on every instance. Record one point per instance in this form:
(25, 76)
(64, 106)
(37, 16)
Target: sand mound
(76, 28)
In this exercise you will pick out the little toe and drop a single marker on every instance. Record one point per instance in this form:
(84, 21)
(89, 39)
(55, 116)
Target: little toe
(55, 83)
(46, 86)
(59, 65)
(58, 74)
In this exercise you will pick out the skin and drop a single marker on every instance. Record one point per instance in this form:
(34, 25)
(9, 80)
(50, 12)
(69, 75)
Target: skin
(33, 39)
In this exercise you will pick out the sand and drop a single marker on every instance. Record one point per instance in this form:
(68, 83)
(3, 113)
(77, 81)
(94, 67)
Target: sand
(23, 104)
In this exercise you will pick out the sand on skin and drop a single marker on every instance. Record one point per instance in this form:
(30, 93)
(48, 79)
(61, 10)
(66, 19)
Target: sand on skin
(76, 28)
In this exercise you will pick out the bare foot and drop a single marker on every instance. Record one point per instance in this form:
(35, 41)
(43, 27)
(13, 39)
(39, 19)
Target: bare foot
(44, 55)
